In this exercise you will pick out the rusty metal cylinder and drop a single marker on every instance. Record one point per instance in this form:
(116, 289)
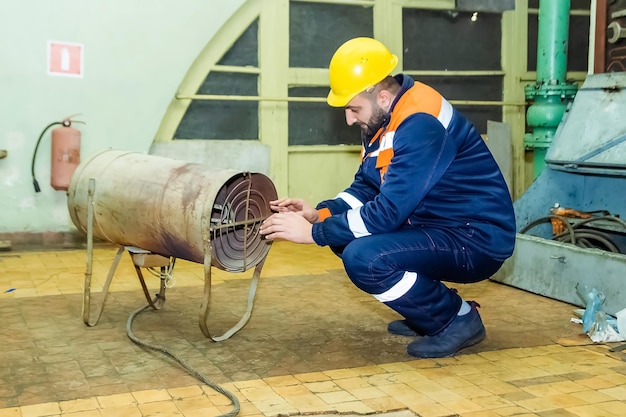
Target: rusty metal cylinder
(174, 208)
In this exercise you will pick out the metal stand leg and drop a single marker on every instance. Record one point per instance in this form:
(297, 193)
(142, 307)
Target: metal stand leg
(159, 298)
(206, 297)
(155, 303)
(105, 289)
(204, 308)
(88, 273)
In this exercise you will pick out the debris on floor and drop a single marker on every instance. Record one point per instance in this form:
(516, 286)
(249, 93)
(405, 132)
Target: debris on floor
(599, 326)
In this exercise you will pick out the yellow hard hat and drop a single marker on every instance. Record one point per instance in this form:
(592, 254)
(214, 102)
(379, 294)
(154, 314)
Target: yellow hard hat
(357, 65)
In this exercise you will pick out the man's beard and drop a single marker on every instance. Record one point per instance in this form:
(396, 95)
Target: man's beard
(369, 129)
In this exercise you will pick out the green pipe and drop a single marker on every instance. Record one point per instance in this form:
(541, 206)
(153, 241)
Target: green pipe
(552, 93)
(552, 40)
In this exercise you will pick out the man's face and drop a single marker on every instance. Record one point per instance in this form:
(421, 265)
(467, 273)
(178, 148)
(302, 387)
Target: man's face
(364, 111)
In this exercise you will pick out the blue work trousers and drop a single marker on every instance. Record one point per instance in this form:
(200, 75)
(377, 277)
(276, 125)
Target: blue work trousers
(421, 258)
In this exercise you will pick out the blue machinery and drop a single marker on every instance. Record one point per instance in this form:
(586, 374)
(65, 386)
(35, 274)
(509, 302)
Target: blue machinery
(585, 171)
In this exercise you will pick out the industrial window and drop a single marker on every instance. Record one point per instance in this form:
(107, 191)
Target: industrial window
(448, 49)
(466, 87)
(244, 51)
(450, 40)
(315, 123)
(473, 88)
(578, 38)
(316, 30)
(222, 119)
(215, 117)
(463, 50)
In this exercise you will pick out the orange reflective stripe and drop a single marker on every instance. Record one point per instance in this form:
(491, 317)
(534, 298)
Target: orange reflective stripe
(384, 158)
(324, 213)
(383, 171)
(421, 98)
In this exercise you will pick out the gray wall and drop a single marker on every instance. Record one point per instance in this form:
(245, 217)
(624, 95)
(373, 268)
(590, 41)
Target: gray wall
(135, 55)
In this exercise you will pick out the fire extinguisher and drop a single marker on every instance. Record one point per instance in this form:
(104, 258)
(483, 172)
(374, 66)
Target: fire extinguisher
(65, 154)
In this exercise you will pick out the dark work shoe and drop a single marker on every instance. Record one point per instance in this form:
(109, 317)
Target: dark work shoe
(401, 328)
(462, 332)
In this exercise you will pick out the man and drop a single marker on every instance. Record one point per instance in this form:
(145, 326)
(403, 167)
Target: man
(428, 203)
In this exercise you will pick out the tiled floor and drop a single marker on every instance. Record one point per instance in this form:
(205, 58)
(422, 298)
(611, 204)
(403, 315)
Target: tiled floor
(314, 344)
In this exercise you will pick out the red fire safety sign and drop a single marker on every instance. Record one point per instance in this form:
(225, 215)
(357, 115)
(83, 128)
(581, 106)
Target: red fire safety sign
(65, 59)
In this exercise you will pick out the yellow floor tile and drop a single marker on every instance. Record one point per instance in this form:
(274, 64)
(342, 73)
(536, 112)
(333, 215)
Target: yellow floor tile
(549, 380)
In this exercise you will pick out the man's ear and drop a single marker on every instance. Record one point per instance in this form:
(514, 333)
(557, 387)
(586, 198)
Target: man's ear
(384, 99)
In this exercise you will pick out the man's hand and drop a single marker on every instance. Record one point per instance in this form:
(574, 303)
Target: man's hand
(295, 205)
(287, 225)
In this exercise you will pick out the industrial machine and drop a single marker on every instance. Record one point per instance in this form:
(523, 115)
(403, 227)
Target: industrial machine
(159, 209)
(571, 231)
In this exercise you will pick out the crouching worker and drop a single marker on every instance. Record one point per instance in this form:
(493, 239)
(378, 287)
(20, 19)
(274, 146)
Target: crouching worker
(427, 204)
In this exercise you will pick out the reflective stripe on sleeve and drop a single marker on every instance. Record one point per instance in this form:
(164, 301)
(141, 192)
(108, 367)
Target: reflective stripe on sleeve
(350, 200)
(445, 114)
(356, 224)
(402, 287)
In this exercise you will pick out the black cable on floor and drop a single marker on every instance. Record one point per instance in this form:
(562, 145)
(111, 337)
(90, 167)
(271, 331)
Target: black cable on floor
(183, 363)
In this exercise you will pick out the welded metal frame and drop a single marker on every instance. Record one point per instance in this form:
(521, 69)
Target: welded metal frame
(155, 303)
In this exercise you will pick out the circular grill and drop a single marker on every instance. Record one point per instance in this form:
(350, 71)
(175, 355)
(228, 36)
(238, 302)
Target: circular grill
(239, 208)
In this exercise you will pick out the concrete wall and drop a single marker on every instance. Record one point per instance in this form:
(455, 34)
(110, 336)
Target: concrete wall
(135, 55)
